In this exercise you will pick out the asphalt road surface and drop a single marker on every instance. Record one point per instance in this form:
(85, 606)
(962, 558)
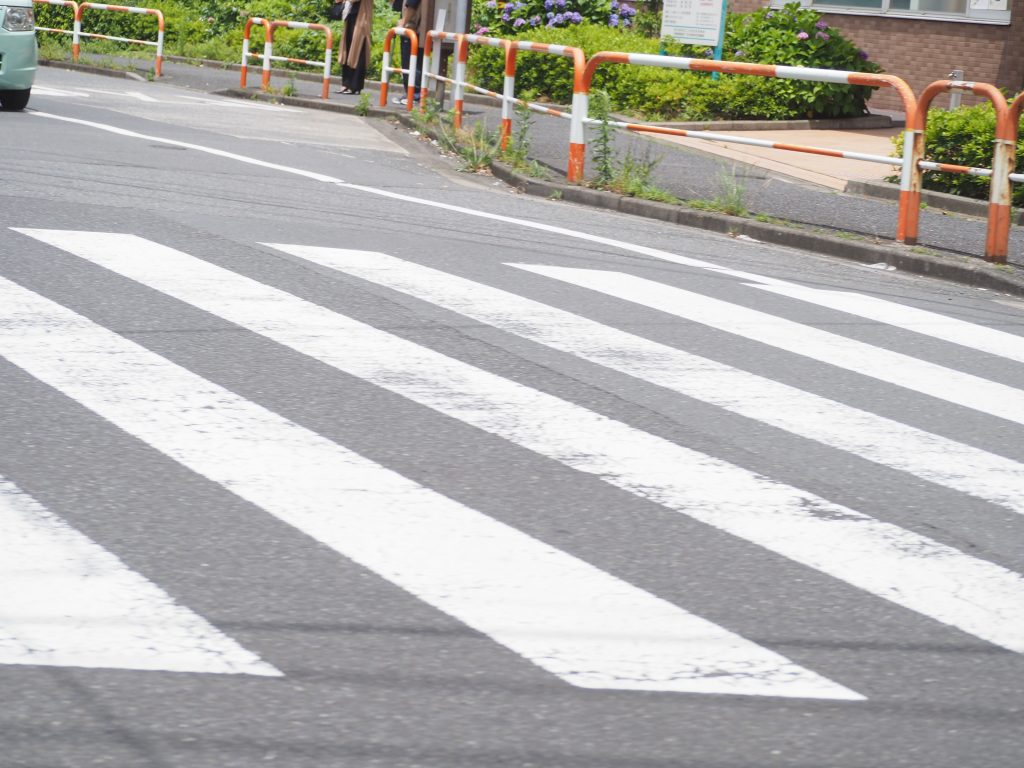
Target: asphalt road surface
(315, 453)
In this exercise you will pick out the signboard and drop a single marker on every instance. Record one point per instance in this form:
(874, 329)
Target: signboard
(697, 22)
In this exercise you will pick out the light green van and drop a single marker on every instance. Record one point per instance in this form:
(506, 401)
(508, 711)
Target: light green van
(18, 53)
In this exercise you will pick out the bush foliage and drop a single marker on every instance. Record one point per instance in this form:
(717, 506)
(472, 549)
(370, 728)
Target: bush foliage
(792, 35)
(213, 30)
(963, 136)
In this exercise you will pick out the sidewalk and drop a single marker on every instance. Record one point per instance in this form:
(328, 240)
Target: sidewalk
(805, 189)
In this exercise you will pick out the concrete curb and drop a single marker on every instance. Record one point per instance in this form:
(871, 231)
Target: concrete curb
(940, 200)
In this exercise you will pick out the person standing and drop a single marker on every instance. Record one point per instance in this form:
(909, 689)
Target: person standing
(417, 15)
(354, 51)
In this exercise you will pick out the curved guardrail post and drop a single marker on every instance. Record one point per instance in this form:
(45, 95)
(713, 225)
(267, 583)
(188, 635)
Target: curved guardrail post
(159, 44)
(246, 55)
(328, 46)
(1003, 159)
(386, 69)
(910, 199)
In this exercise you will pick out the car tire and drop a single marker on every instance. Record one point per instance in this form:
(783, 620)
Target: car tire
(14, 101)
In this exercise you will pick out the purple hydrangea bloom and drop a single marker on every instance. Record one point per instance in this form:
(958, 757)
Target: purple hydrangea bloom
(627, 10)
(534, 21)
(559, 18)
(492, 3)
(577, 17)
(549, 4)
(482, 30)
(518, 23)
(802, 35)
(709, 52)
(615, 5)
(821, 25)
(560, 3)
(738, 54)
(550, 15)
(822, 36)
(863, 54)
(613, 20)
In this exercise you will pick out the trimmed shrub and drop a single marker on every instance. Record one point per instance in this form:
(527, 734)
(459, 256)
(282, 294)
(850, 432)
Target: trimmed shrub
(963, 136)
(793, 35)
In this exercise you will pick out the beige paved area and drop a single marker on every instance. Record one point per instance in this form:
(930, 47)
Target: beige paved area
(832, 172)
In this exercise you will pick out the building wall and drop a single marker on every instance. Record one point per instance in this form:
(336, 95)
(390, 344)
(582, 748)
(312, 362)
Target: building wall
(921, 51)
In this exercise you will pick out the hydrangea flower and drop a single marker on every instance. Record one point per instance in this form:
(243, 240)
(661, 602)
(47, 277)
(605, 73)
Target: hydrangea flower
(483, 31)
(518, 23)
(801, 35)
(822, 36)
(821, 25)
(535, 20)
(613, 20)
(492, 3)
(560, 3)
(549, 4)
(863, 54)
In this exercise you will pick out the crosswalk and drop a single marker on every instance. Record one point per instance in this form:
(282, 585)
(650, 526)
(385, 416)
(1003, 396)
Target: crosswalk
(581, 623)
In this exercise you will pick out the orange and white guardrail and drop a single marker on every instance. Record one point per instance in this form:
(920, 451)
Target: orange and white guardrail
(268, 37)
(908, 199)
(78, 34)
(507, 96)
(268, 50)
(386, 70)
(1003, 161)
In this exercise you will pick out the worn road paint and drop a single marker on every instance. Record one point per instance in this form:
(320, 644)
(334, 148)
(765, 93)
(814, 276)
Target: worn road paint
(580, 623)
(949, 329)
(65, 601)
(919, 376)
(931, 457)
(913, 571)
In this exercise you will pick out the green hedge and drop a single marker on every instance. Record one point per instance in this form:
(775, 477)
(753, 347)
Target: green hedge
(213, 30)
(792, 35)
(963, 136)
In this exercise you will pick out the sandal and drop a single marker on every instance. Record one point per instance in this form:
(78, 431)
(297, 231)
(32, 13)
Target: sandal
(348, 92)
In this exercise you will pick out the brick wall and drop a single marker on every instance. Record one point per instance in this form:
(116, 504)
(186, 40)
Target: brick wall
(921, 51)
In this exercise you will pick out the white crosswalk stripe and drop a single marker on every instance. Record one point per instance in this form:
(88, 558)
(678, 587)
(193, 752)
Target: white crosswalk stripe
(65, 601)
(582, 624)
(989, 340)
(885, 441)
(902, 370)
(903, 567)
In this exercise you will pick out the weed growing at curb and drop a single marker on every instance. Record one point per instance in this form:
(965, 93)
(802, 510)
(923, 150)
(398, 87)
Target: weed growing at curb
(363, 105)
(631, 177)
(517, 154)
